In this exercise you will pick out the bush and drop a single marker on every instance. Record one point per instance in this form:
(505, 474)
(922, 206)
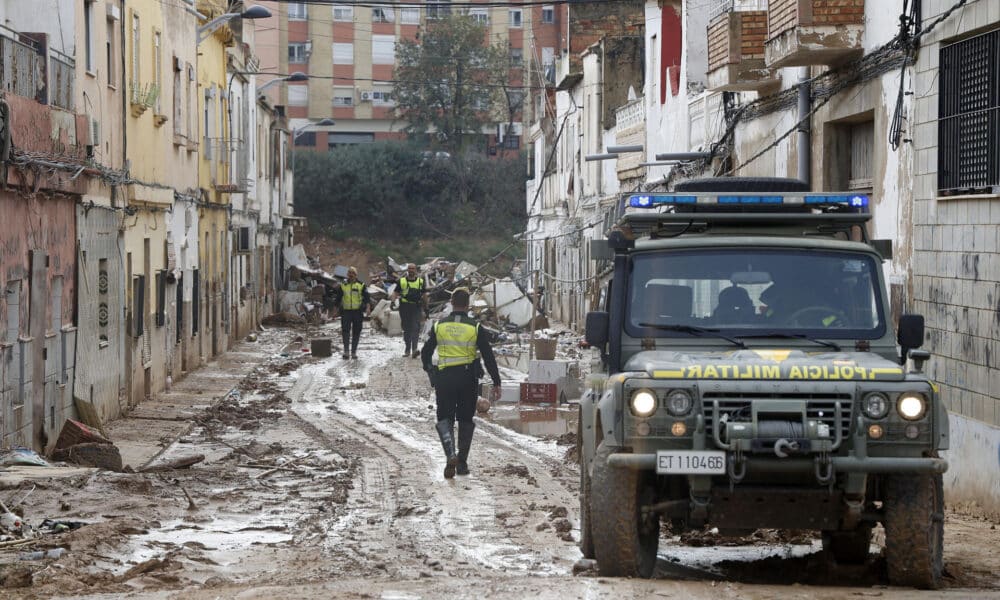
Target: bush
(395, 191)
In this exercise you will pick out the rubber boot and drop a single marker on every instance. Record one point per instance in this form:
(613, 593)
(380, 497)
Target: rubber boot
(465, 429)
(445, 430)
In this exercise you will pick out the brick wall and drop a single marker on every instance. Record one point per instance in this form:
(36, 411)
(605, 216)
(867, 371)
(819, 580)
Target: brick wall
(838, 12)
(736, 36)
(753, 33)
(786, 14)
(591, 21)
(782, 15)
(719, 49)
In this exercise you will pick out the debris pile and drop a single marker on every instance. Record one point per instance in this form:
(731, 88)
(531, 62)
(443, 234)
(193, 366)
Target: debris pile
(87, 447)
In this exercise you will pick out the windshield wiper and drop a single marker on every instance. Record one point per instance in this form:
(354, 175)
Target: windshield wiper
(696, 331)
(792, 336)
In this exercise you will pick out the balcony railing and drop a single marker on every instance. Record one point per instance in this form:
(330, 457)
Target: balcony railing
(630, 115)
(27, 69)
(22, 65)
(61, 77)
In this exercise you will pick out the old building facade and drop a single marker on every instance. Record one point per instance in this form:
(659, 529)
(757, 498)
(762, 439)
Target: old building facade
(119, 230)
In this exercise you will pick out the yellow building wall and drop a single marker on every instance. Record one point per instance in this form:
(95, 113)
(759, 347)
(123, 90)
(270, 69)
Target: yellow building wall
(213, 177)
(162, 155)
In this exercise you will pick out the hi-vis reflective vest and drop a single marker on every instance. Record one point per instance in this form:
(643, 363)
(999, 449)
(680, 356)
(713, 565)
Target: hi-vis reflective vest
(456, 343)
(352, 295)
(405, 285)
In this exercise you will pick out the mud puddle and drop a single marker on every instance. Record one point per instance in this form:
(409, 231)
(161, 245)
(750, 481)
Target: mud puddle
(535, 420)
(220, 541)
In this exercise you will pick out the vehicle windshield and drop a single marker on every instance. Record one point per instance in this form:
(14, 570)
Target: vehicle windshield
(755, 293)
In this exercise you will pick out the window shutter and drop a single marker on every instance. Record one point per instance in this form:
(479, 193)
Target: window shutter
(383, 49)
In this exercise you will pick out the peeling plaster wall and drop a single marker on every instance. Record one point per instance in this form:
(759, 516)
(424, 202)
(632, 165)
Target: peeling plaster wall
(38, 338)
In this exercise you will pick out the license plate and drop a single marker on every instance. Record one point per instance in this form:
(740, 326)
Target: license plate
(691, 462)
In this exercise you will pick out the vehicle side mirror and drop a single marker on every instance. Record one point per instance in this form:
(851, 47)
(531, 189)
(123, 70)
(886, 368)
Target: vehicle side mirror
(910, 335)
(597, 329)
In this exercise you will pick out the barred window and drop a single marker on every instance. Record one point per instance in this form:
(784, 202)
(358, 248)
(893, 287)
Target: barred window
(969, 116)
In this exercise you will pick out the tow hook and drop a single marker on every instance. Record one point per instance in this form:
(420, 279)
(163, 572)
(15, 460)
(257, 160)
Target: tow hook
(824, 471)
(782, 445)
(737, 469)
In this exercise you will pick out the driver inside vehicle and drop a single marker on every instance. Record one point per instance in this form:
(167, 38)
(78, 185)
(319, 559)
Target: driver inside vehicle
(807, 302)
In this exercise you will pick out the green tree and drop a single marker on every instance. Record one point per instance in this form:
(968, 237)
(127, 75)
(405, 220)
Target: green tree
(446, 80)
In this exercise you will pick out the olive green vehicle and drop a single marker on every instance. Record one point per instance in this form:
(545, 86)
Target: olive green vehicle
(751, 378)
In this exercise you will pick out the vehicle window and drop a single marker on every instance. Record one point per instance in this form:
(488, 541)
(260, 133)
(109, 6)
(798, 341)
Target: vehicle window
(748, 290)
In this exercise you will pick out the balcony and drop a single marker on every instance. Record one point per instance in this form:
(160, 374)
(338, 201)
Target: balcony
(630, 130)
(30, 69)
(736, 36)
(813, 32)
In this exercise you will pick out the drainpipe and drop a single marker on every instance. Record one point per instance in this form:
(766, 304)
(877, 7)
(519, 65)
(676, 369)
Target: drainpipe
(804, 130)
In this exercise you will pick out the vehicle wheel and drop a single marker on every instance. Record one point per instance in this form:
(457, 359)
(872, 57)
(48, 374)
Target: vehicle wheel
(586, 537)
(914, 529)
(624, 543)
(848, 547)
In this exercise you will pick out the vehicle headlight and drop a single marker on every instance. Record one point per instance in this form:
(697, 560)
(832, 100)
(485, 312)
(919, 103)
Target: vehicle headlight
(643, 403)
(911, 406)
(679, 403)
(875, 405)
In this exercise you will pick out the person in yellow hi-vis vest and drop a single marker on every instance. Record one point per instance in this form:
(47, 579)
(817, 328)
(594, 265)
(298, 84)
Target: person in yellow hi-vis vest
(352, 298)
(455, 378)
(412, 301)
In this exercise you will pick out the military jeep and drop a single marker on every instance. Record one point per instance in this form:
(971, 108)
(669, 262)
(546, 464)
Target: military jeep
(750, 378)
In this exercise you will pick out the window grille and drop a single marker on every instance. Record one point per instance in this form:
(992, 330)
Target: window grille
(969, 116)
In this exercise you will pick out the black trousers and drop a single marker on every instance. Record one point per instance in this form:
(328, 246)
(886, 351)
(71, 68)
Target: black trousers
(456, 393)
(350, 328)
(409, 315)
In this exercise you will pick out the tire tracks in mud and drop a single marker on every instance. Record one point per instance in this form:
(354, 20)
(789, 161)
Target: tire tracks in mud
(402, 517)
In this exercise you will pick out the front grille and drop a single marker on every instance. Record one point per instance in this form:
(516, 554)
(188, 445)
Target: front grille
(819, 407)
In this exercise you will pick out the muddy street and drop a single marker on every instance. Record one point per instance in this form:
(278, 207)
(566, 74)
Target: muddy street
(322, 478)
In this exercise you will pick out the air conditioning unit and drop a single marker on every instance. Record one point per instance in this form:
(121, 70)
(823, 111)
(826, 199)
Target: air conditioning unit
(366, 95)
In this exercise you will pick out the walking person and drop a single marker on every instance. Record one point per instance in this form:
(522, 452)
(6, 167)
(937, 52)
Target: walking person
(352, 297)
(457, 338)
(412, 302)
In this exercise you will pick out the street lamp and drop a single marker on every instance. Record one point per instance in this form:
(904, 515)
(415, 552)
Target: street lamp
(296, 77)
(321, 123)
(254, 12)
(297, 132)
(613, 152)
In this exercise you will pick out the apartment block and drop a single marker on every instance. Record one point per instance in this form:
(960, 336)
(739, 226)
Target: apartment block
(349, 54)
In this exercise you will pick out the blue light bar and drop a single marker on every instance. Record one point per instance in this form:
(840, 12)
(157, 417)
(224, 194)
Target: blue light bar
(751, 200)
(651, 200)
(855, 201)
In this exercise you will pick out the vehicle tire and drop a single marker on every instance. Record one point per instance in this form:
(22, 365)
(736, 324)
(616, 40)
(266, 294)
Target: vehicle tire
(848, 547)
(586, 536)
(742, 184)
(624, 545)
(914, 529)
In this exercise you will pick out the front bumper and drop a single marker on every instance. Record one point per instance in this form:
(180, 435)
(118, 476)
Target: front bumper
(840, 464)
